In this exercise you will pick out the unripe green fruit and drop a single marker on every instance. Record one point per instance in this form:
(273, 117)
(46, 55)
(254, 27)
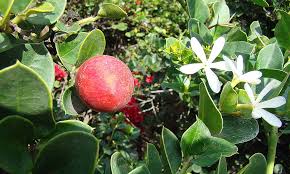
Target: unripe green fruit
(104, 83)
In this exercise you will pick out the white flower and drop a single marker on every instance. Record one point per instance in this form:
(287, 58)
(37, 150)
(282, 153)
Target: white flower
(237, 68)
(259, 107)
(207, 64)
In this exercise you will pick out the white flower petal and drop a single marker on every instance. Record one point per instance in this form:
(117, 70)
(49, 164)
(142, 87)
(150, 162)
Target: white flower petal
(272, 103)
(216, 49)
(249, 92)
(198, 50)
(251, 77)
(222, 65)
(256, 114)
(213, 80)
(240, 64)
(268, 87)
(231, 65)
(269, 117)
(191, 68)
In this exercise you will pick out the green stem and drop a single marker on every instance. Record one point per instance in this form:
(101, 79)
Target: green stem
(244, 106)
(272, 145)
(186, 165)
(88, 20)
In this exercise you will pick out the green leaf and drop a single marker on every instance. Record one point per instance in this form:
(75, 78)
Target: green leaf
(153, 160)
(68, 49)
(273, 73)
(228, 98)
(198, 9)
(245, 129)
(282, 30)
(140, 170)
(270, 57)
(236, 34)
(118, 164)
(15, 134)
(262, 3)
(65, 126)
(7, 42)
(191, 140)
(255, 30)
(23, 92)
(214, 148)
(44, 7)
(232, 49)
(5, 8)
(71, 103)
(120, 26)
(50, 17)
(20, 5)
(170, 149)
(35, 56)
(257, 163)
(208, 112)
(73, 29)
(94, 44)
(221, 13)
(113, 11)
(222, 166)
(199, 31)
(72, 152)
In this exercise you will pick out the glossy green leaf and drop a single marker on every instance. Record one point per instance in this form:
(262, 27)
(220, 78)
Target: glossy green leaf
(257, 163)
(232, 49)
(236, 34)
(199, 31)
(113, 11)
(23, 92)
(282, 30)
(5, 8)
(245, 129)
(65, 126)
(255, 30)
(68, 49)
(198, 9)
(214, 148)
(208, 112)
(228, 98)
(15, 134)
(262, 3)
(140, 170)
(221, 13)
(118, 164)
(20, 5)
(273, 73)
(171, 153)
(72, 152)
(270, 57)
(35, 56)
(153, 161)
(192, 137)
(50, 17)
(222, 166)
(73, 29)
(94, 44)
(71, 103)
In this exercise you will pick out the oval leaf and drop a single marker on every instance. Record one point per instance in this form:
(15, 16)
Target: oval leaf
(208, 112)
(20, 5)
(15, 134)
(24, 92)
(245, 129)
(109, 10)
(270, 57)
(153, 160)
(228, 99)
(71, 102)
(71, 152)
(257, 163)
(118, 164)
(170, 150)
(282, 30)
(198, 9)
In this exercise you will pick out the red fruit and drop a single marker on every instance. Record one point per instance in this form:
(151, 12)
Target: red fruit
(59, 74)
(104, 83)
(149, 79)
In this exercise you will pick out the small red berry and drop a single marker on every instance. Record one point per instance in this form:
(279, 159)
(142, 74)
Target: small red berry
(149, 79)
(59, 74)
